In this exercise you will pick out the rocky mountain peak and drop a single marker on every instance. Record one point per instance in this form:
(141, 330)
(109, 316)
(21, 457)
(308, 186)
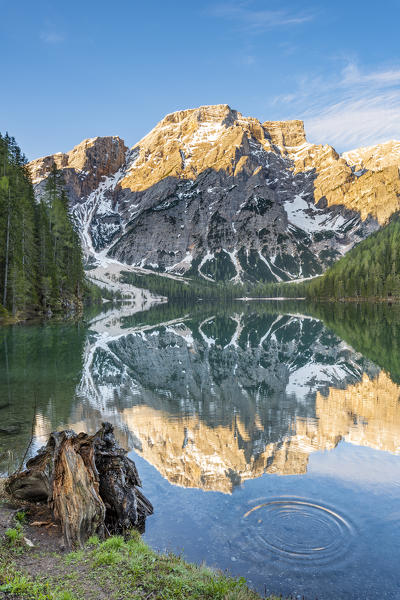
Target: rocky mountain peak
(212, 193)
(286, 133)
(374, 157)
(186, 143)
(104, 154)
(84, 166)
(217, 113)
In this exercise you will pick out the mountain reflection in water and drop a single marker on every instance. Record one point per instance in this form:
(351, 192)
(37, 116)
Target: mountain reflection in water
(211, 402)
(228, 400)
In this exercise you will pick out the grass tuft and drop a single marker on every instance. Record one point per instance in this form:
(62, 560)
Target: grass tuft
(65, 595)
(74, 557)
(14, 536)
(106, 558)
(20, 517)
(93, 540)
(115, 542)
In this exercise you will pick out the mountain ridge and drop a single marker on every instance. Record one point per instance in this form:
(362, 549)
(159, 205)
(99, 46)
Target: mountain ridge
(212, 193)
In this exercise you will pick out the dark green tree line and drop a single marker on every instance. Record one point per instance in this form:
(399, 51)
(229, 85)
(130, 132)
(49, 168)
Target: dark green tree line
(370, 270)
(60, 266)
(40, 254)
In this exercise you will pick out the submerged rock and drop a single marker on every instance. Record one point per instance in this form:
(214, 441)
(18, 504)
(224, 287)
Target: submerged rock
(10, 429)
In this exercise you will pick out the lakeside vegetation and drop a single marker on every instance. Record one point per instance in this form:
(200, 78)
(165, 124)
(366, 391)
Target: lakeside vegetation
(41, 267)
(118, 567)
(370, 270)
(197, 288)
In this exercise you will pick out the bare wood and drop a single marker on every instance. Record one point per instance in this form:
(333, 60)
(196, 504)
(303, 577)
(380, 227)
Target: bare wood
(88, 482)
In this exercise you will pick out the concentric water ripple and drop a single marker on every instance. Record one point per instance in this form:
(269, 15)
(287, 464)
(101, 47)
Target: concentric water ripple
(297, 529)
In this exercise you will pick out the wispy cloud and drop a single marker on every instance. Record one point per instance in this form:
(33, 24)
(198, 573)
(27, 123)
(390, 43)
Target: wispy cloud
(351, 109)
(351, 75)
(357, 122)
(52, 37)
(254, 20)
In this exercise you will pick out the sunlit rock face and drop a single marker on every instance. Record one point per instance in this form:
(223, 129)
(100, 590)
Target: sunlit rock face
(91, 172)
(222, 196)
(84, 167)
(213, 402)
(374, 158)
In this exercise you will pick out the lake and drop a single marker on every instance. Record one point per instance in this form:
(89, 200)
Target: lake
(267, 435)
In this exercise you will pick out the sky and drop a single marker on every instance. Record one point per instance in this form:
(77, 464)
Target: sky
(74, 70)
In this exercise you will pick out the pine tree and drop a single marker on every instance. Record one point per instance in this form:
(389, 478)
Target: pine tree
(40, 253)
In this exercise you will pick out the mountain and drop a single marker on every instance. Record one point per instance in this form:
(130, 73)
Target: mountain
(211, 193)
(374, 158)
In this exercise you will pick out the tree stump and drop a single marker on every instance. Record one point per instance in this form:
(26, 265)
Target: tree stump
(88, 482)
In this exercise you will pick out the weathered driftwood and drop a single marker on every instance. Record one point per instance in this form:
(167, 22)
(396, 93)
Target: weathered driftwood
(88, 482)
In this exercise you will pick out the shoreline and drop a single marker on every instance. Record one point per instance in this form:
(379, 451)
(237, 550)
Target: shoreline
(245, 299)
(353, 300)
(34, 563)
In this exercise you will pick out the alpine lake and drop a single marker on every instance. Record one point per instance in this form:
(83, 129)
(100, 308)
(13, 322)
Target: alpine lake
(266, 434)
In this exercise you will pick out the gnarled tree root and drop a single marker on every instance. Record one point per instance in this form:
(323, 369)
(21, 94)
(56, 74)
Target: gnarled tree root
(88, 482)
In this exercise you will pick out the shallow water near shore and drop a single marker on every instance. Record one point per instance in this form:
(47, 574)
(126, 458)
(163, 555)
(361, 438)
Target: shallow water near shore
(267, 435)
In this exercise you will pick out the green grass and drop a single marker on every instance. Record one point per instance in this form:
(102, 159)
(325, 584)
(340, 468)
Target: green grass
(75, 557)
(14, 535)
(20, 585)
(93, 541)
(20, 517)
(118, 568)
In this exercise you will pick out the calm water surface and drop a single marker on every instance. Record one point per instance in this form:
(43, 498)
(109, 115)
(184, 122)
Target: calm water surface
(267, 435)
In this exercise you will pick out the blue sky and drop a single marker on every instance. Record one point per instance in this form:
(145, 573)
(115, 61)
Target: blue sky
(72, 70)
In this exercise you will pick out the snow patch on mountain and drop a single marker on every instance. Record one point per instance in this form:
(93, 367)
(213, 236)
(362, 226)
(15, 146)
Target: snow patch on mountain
(306, 216)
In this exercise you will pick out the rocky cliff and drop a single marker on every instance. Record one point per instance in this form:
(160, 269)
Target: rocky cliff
(84, 167)
(211, 193)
